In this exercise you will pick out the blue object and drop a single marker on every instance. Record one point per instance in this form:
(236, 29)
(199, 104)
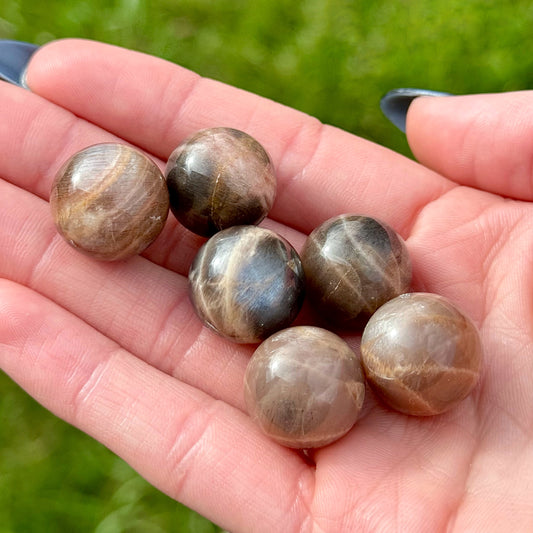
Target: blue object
(396, 103)
(14, 58)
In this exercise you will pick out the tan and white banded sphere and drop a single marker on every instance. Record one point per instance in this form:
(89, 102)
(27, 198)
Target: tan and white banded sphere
(421, 354)
(109, 201)
(304, 387)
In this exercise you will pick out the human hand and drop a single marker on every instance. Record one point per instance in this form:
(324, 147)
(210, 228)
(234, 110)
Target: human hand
(116, 350)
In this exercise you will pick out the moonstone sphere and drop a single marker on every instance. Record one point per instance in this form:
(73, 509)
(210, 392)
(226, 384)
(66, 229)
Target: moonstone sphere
(220, 177)
(246, 283)
(109, 201)
(304, 387)
(421, 354)
(353, 265)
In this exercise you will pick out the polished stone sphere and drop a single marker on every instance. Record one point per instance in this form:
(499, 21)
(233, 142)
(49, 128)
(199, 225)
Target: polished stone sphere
(304, 387)
(421, 354)
(109, 201)
(246, 283)
(220, 177)
(354, 264)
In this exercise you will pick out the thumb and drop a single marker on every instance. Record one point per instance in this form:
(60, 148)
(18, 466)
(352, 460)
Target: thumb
(483, 141)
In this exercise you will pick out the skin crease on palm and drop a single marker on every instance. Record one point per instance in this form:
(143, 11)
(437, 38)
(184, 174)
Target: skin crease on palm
(115, 349)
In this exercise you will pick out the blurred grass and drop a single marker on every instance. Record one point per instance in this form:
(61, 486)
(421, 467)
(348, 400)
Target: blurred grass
(55, 479)
(331, 58)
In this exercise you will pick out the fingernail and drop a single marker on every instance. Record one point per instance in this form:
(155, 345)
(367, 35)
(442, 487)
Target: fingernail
(396, 103)
(14, 59)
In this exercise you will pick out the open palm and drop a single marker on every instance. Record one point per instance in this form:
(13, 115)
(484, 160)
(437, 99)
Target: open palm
(116, 350)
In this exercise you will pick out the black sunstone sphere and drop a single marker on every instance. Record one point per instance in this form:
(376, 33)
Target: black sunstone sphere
(246, 283)
(218, 178)
(354, 264)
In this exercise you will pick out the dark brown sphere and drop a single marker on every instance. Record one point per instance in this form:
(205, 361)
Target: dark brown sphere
(421, 354)
(220, 177)
(304, 387)
(354, 264)
(246, 283)
(109, 201)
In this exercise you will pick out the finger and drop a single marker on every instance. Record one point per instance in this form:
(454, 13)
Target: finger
(144, 308)
(37, 137)
(178, 438)
(322, 171)
(482, 141)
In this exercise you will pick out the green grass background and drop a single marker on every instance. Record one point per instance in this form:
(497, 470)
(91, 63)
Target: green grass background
(331, 58)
